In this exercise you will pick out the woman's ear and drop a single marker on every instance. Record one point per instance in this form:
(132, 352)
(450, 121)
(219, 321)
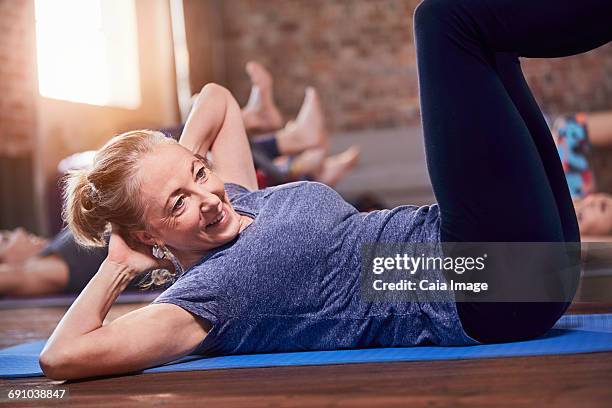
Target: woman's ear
(143, 237)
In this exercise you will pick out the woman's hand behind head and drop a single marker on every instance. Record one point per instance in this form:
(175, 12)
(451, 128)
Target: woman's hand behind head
(135, 255)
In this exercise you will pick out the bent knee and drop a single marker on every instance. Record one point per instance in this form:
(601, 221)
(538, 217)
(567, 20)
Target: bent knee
(441, 17)
(526, 322)
(432, 11)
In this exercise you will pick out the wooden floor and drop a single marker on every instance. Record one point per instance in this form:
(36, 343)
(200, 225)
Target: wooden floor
(583, 380)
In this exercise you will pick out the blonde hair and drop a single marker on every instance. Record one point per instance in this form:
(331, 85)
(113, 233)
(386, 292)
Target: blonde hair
(108, 192)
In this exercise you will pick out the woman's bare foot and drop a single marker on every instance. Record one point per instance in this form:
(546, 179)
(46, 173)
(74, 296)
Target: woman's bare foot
(260, 115)
(19, 245)
(308, 129)
(337, 166)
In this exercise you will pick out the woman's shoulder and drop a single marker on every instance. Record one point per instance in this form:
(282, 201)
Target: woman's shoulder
(235, 190)
(198, 290)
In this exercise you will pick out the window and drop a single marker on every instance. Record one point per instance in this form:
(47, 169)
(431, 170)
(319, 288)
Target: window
(88, 51)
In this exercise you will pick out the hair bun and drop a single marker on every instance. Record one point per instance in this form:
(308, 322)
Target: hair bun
(110, 191)
(82, 210)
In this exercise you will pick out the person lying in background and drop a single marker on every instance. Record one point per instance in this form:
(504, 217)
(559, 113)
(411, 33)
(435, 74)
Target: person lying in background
(575, 134)
(278, 270)
(594, 214)
(297, 150)
(33, 266)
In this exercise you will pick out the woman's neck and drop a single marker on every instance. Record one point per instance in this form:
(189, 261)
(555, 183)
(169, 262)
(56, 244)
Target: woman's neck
(187, 259)
(245, 221)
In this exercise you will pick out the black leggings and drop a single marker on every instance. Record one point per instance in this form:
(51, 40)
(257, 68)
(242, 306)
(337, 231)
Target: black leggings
(492, 161)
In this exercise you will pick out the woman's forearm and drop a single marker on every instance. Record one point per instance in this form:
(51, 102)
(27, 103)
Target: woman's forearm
(206, 119)
(88, 311)
(215, 125)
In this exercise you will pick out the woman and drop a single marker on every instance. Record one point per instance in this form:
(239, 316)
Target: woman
(31, 266)
(278, 269)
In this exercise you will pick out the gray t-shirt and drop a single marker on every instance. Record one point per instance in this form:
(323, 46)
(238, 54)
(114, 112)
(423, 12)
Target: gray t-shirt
(290, 280)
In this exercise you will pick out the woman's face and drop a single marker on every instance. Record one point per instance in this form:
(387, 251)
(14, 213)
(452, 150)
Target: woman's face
(595, 214)
(186, 207)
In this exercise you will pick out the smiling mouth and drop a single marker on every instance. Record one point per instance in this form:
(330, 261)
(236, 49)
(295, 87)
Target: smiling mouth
(217, 219)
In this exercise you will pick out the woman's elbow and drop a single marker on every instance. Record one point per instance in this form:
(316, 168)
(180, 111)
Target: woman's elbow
(56, 365)
(213, 87)
(49, 363)
(213, 91)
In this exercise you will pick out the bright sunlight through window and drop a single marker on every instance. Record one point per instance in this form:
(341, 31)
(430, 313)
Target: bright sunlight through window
(88, 51)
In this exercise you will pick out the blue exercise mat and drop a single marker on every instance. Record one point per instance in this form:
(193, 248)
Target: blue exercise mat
(572, 334)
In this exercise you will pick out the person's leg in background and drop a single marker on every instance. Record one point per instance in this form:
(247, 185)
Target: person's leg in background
(599, 125)
(63, 266)
(573, 145)
(299, 151)
(260, 114)
(22, 272)
(34, 277)
(265, 125)
(575, 135)
(495, 181)
(307, 131)
(18, 244)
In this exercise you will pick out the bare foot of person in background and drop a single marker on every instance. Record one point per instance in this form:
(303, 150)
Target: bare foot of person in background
(312, 163)
(260, 115)
(308, 163)
(18, 245)
(308, 130)
(337, 166)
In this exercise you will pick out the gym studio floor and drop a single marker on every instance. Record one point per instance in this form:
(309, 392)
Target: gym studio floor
(559, 381)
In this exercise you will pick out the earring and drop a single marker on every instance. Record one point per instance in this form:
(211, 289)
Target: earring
(157, 252)
(162, 252)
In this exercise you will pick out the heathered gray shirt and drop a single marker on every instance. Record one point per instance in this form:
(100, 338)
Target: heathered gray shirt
(290, 280)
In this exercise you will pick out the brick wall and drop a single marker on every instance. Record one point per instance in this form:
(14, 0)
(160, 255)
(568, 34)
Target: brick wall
(17, 77)
(17, 114)
(579, 83)
(360, 55)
